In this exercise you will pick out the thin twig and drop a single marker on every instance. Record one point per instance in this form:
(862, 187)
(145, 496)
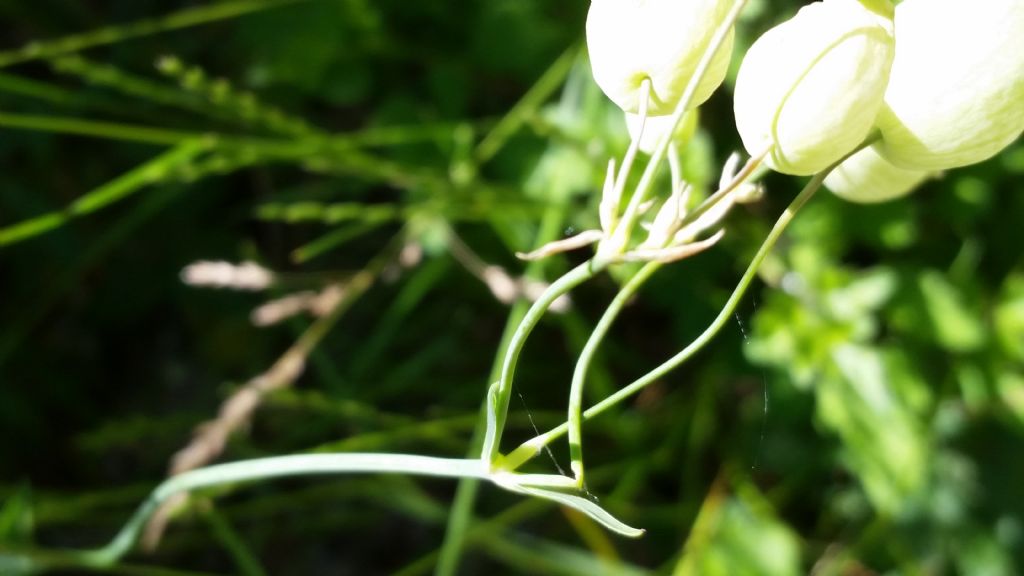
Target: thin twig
(505, 287)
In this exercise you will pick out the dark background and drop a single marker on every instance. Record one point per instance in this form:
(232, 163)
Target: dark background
(888, 340)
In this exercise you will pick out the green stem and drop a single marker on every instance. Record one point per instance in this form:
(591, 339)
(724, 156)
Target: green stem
(151, 172)
(550, 81)
(575, 420)
(36, 90)
(501, 392)
(80, 127)
(160, 136)
(117, 33)
(457, 528)
(531, 447)
(245, 560)
(278, 467)
(579, 376)
(461, 512)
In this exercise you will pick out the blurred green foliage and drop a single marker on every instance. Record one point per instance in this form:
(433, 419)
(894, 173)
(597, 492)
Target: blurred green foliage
(865, 415)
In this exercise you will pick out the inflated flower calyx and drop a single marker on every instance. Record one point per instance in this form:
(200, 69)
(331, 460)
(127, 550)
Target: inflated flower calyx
(811, 88)
(956, 93)
(867, 178)
(656, 126)
(661, 40)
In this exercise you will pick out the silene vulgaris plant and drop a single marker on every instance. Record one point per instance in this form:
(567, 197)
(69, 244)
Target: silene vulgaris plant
(866, 97)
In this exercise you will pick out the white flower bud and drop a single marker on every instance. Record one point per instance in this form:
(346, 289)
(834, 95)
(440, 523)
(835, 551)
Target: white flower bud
(867, 178)
(663, 40)
(956, 94)
(656, 127)
(811, 88)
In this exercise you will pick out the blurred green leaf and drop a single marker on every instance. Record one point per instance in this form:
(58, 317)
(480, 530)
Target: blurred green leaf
(1009, 317)
(884, 444)
(17, 519)
(956, 327)
(1010, 385)
(981, 555)
(745, 538)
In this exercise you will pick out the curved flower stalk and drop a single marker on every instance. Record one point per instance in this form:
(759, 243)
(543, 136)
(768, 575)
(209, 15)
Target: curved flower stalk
(812, 87)
(660, 40)
(553, 488)
(956, 93)
(867, 178)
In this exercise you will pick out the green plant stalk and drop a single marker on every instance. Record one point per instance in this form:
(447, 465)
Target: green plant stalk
(341, 156)
(117, 33)
(531, 447)
(575, 420)
(159, 136)
(278, 467)
(579, 376)
(151, 172)
(622, 233)
(510, 123)
(331, 240)
(382, 136)
(35, 89)
(245, 560)
(500, 392)
(482, 529)
(300, 148)
(81, 127)
(460, 516)
(204, 103)
(219, 98)
(107, 76)
(321, 464)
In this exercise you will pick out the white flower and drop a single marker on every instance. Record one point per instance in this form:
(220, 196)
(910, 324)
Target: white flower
(811, 88)
(956, 95)
(868, 178)
(661, 40)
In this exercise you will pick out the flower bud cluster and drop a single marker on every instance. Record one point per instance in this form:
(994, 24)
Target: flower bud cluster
(941, 81)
